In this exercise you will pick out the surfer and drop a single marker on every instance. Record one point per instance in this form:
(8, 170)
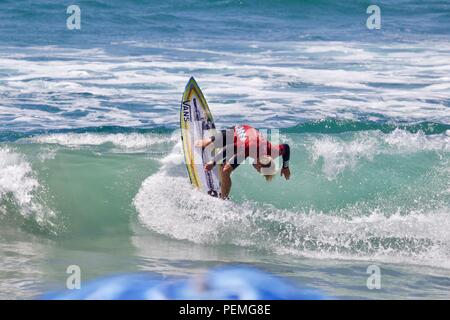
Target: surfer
(237, 144)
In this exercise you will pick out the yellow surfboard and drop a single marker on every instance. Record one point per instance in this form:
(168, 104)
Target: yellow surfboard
(196, 122)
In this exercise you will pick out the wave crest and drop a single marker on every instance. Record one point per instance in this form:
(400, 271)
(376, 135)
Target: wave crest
(19, 190)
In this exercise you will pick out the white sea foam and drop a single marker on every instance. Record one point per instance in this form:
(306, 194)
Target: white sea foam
(124, 141)
(273, 85)
(19, 186)
(339, 153)
(16, 177)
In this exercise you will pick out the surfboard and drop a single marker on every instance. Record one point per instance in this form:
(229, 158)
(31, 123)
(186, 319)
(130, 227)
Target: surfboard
(196, 121)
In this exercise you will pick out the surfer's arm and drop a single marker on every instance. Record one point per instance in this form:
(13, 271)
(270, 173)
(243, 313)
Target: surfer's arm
(203, 143)
(219, 157)
(285, 152)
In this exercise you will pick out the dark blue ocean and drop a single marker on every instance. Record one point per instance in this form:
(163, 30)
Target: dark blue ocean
(91, 170)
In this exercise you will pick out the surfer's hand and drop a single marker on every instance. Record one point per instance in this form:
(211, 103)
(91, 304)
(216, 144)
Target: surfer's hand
(209, 166)
(257, 167)
(286, 173)
(202, 143)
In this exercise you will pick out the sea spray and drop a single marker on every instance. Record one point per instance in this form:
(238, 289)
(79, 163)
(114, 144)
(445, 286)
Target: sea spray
(19, 191)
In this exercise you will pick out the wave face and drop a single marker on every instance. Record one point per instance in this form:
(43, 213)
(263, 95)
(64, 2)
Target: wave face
(359, 196)
(364, 194)
(49, 180)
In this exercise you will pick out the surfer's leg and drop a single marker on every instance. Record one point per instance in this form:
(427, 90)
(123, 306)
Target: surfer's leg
(226, 181)
(227, 169)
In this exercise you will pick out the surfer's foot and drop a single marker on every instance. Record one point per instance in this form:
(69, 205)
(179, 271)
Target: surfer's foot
(223, 197)
(203, 143)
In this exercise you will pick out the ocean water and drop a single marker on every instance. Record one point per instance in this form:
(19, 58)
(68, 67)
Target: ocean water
(91, 170)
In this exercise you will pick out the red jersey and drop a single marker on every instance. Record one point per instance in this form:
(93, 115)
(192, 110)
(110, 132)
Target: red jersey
(252, 143)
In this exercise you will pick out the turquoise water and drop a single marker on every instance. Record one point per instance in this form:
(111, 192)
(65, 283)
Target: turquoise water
(91, 168)
(120, 201)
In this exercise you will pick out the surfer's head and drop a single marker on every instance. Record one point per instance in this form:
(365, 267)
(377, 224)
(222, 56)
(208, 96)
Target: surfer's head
(267, 167)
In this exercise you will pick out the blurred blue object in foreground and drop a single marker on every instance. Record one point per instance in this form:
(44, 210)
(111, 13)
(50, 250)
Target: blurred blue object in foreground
(228, 283)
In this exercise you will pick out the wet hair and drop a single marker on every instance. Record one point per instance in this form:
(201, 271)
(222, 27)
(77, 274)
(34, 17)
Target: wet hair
(267, 162)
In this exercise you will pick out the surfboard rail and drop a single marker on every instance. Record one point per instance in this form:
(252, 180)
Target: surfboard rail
(195, 119)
